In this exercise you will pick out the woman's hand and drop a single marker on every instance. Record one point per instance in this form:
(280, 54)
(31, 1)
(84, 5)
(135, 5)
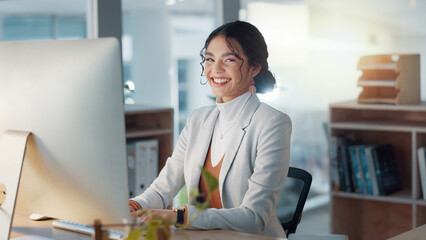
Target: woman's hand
(134, 206)
(166, 214)
(143, 216)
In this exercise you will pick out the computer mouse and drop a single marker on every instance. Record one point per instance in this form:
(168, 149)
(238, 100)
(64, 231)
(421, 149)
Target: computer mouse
(38, 217)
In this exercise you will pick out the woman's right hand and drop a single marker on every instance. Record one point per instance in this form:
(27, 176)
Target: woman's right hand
(134, 206)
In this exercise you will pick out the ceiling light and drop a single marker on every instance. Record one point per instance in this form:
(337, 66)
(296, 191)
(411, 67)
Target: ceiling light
(170, 2)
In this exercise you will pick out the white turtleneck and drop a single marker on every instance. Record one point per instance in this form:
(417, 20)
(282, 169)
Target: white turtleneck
(229, 114)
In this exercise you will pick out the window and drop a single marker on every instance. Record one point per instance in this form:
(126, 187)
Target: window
(22, 27)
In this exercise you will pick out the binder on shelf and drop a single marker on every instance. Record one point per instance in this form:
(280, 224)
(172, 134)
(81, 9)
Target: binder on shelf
(421, 157)
(131, 165)
(146, 164)
(391, 79)
(142, 159)
(152, 163)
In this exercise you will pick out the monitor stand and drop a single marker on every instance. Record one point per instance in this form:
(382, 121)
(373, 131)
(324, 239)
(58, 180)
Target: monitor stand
(12, 153)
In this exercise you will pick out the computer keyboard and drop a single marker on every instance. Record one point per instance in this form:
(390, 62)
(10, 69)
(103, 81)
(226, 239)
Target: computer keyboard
(85, 229)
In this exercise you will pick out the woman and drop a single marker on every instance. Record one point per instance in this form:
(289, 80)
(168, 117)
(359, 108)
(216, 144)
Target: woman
(244, 143)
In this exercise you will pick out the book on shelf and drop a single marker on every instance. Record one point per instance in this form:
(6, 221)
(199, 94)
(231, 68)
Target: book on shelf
(365, 168)
(386, 169)
(341, 165)
(334, 169)
(421, 157)
(372, 170)
(358, 170)
(341, 168)
(345, 163)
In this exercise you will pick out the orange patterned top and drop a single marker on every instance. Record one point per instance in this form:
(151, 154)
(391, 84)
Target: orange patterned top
(215, 201)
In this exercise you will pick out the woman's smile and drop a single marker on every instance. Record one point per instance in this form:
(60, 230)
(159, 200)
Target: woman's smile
(219, 82)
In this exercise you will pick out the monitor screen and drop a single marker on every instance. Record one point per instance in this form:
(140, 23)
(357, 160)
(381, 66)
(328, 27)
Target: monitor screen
(69, 95)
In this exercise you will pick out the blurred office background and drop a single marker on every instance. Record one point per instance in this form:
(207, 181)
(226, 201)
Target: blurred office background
(314, 47)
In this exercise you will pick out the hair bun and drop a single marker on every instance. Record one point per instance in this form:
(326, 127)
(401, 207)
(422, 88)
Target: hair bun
(264, 81)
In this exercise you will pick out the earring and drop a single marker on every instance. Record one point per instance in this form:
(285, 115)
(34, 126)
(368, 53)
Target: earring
(203, 78)
(252, 88)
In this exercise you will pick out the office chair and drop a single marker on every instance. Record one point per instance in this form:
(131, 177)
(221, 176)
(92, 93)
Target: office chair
(292, 198)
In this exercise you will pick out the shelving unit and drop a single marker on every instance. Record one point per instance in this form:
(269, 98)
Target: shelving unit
(392, 79)
(151, 122)
(381, 217)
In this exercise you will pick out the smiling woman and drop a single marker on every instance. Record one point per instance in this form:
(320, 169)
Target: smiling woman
(227, 71)
(242, 142)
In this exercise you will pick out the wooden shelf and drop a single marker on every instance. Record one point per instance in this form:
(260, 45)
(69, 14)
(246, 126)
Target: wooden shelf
(402, 197)
(380, 116)
(420, 202)
(151, 122)
(143, 133)
(380, 126)
(404, 127)
(137, 109)
(363, 219)
(352, 104)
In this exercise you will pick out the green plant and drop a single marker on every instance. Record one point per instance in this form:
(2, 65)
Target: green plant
(152, 227)
(155, 225)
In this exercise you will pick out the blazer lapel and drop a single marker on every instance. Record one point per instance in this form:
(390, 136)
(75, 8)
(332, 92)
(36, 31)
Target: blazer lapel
(204, 137)
(244, 120)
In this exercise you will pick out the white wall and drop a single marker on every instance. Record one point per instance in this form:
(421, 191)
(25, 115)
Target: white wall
(188, 40)
(151, 65)
(189, 34)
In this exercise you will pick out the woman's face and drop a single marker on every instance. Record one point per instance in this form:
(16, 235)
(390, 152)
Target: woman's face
(223, 70)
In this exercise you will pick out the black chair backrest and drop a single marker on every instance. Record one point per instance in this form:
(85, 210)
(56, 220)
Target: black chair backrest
(292, 199)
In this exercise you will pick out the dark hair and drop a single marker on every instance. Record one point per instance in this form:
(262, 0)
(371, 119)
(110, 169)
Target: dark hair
(254, 47)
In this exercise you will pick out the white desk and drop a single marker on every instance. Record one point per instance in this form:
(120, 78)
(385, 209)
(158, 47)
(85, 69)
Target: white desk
(418, 233)
(23, 226)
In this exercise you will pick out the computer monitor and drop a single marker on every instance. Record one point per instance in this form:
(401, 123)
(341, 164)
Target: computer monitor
(69, 94)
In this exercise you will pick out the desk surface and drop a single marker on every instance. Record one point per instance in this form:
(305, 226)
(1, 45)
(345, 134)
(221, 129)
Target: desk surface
(418, 233)
(23, 226)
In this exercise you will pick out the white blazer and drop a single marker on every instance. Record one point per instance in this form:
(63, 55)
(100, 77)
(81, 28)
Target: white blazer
(252, 175)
